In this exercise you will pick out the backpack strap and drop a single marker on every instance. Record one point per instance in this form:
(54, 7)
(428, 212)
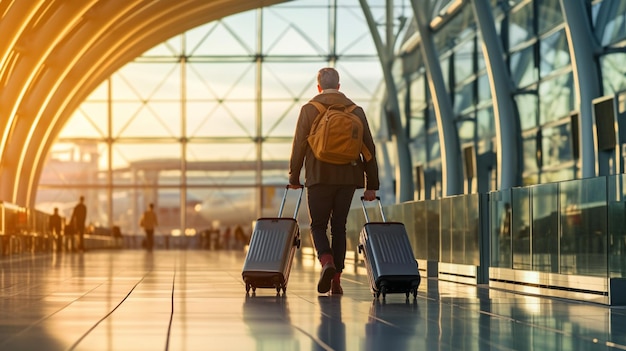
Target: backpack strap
(319, 106)
(367, 155)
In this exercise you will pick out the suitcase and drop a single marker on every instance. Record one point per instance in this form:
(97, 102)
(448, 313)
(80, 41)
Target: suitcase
(272, 247)
(389, 260)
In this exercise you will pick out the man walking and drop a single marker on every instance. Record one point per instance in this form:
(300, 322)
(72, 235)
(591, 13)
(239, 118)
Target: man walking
(330, 186)
(148, 222)
(79, 215)
(56, 227)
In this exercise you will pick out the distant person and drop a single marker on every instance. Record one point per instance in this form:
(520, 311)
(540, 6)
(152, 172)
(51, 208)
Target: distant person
(227, 238)
(240, 237)
(56, 227)
(79, 216)
(149, 222)
(331, 187)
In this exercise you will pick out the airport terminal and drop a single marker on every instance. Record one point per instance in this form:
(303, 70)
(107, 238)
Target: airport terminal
(500, 134)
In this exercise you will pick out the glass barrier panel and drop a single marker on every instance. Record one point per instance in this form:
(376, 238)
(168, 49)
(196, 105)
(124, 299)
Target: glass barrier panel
(353, 228)
(432, 224)
(617, 226)
(520, 210)
(458, 229)
(544, 234)
(570, 213)
(419, 237)
(394, 213)
(446, 230)
(588, 197)
(408, 218)
(472, 246)
(500, 229)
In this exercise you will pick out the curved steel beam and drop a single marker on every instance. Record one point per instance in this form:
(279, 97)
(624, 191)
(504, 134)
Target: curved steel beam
(505, 115)
(404, 176)
(452, 181)
(75, 52)
(583, 48)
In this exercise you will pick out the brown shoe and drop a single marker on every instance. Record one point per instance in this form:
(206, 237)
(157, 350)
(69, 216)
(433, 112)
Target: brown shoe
(335, 285)
(326, 277)
(335, 288)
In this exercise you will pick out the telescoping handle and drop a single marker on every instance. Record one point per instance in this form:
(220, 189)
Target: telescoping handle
(380, 206)
(282, 203)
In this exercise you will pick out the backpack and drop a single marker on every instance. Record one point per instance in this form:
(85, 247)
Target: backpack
(336, 135)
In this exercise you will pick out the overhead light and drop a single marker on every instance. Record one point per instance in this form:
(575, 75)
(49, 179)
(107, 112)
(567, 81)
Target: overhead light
(436, 22)
(454, 7)
(410, 44)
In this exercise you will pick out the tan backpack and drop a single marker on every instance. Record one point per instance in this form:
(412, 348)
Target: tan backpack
(337, 135)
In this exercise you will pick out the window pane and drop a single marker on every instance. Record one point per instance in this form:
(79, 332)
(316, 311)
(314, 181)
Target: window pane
(557, 98)
(521, 25)
(523, 67)
(527, 105)
(550, 14)
(613, 73)
(554, 53)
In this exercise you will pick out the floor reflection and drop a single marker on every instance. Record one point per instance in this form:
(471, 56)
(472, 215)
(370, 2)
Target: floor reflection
(269, 323)
(331, 330)
(187, 300)
(393, 326)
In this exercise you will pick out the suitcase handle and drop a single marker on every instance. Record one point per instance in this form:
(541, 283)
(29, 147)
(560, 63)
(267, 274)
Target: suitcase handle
(380, 206)
(282, 203)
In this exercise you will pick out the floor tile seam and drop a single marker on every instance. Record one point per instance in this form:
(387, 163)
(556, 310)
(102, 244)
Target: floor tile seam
(107, 315)
(49, 316)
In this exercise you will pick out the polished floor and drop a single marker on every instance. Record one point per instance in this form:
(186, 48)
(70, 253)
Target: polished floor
(196, 300)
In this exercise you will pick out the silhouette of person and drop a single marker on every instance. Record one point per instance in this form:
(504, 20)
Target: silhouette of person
(148, 222)
(79, 216)
(56, 226)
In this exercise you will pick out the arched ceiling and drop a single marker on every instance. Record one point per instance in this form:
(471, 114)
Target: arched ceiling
(54, 53)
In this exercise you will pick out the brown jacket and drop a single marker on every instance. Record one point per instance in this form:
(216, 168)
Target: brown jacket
(362, 174)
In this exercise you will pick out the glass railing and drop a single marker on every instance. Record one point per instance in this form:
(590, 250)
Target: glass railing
(575, 227)
(616, 226)
(444, 230)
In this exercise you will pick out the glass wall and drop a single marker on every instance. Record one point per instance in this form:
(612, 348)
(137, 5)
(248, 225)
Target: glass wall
(202, 124)
(573, 227)
(537, 54)
(608, 20)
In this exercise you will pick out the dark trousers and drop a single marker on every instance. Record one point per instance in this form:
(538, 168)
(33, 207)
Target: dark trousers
(330, 203)
(80, 231)
(149, 239)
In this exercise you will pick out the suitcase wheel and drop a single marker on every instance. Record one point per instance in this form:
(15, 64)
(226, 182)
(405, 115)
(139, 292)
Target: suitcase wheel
(381, 291)
(279, 288)
(360, 248)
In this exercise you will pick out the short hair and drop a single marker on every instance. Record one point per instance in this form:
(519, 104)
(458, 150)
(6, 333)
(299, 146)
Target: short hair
(328, 78)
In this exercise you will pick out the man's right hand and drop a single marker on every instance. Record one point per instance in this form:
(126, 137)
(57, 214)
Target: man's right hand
(369, 195)
(294, 186)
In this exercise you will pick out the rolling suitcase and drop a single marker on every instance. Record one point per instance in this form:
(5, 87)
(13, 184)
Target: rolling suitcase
(389, 260)
(272, 246)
